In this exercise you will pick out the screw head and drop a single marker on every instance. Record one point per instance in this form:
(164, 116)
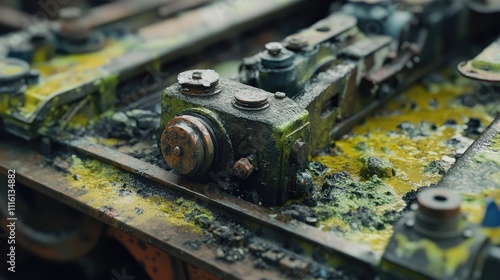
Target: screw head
(296, 42)
(243, 168)
(274, 48)
(280, 95)
(251, 100)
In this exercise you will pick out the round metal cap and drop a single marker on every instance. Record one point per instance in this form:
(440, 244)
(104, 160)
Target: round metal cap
(251, 100)
(187, 145)
(439, 203)
(199, 82)
(12, 69)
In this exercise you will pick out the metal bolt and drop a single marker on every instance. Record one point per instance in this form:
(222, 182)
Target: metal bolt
(274, 48)
(199, 82)
(296, 42)
(300, 152)
(251, 100)
(279, 95)
(243, 168)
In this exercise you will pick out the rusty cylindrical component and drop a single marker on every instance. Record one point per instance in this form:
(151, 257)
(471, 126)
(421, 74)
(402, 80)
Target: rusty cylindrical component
(188, 145)
(438, 213)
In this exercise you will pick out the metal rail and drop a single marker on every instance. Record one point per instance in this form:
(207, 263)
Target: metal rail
(33, 171)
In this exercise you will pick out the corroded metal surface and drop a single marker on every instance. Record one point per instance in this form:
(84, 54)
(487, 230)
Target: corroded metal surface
(477, 170)
(311, 239)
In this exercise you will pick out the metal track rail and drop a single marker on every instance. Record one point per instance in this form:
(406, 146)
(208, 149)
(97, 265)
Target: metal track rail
(33, 171)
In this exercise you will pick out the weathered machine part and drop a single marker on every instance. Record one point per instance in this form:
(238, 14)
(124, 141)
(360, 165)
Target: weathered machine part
(438, 26)
(435, 241)
(241, 134)
(48, 228)
(485, 67)
(288, 66)
(13, 73)
(125, 56)
(74, 35)
(482, 14)
(321, 68)
(15, 76)
(380, 17)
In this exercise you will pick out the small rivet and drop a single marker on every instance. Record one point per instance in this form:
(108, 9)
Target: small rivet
(274, 48)
(279, 95)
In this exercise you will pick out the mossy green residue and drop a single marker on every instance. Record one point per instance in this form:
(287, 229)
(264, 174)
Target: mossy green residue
(486, 65)
(495, 143)
(380, 137)
(104, 186)
(487, 156)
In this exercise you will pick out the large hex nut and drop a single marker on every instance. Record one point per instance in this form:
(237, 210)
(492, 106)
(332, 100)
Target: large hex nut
(187, 145)
(300, 152)
(243, 168)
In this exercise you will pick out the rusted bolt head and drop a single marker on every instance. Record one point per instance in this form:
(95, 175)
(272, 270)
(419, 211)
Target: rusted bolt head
(274, 48)
(439, 203)
(187, 145)
(199, 82)
(300, 152)
(243, 168)
(251, 100)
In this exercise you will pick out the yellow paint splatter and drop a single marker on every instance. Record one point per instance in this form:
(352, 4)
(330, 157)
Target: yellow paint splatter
(104, 186)
(409, 155)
